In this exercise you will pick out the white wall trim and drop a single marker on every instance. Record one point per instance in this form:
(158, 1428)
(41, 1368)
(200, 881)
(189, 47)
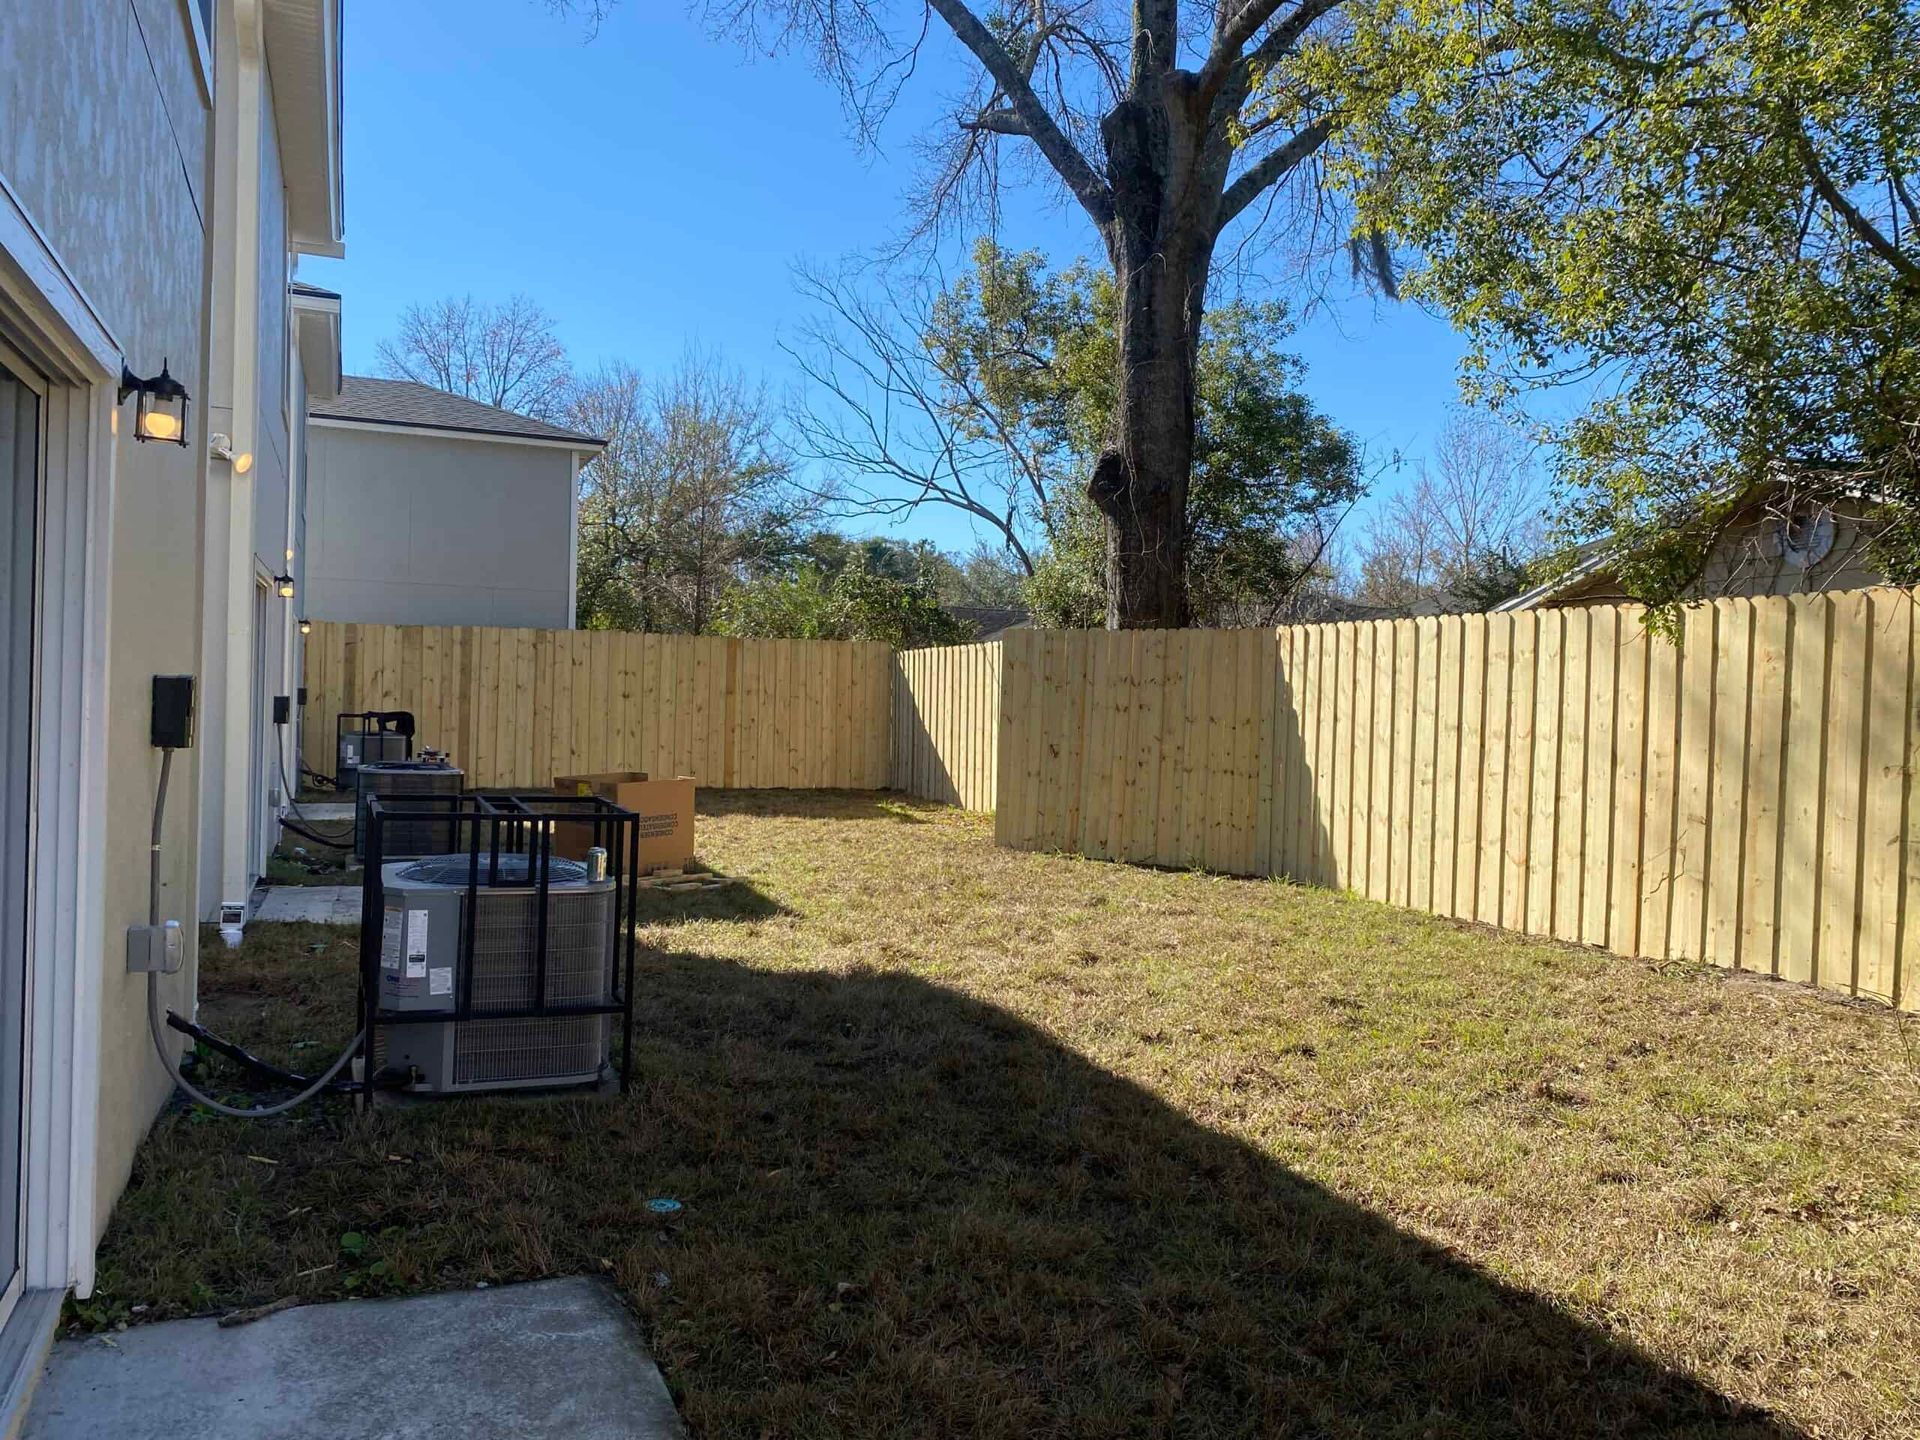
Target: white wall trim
(447, 432)
(573, 544)
(48, 315)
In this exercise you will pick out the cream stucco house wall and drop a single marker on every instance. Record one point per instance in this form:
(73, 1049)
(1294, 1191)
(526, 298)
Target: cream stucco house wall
(275, 349)
(159, 161)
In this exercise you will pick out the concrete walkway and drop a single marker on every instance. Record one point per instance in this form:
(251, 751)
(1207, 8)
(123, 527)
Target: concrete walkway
(320, 904)
(557, 1358)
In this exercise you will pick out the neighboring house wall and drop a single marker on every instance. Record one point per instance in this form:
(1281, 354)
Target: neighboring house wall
(438, 529)
(1750, 559)
(104, 128)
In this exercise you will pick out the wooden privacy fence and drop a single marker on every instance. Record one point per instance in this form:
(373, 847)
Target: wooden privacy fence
(517, 707)
(1745, 796)
(946, 723)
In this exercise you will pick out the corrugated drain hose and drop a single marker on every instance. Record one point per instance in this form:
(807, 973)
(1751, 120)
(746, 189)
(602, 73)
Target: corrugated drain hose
(156, 1027)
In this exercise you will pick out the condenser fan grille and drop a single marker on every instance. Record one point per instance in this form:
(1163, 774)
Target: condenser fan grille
(402, 833)
(579, 965)
(498, 1052)
(514, 870)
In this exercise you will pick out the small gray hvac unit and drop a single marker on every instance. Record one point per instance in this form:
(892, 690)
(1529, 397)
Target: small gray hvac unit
(424, 967)
(396, 782)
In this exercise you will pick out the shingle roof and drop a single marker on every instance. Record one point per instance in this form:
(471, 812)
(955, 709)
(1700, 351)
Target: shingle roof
(301, 287)
(403, 402)
(989, 620)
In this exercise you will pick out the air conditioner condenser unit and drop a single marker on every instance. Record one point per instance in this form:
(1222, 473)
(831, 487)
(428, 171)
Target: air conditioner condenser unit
(426, 968)
(430, 831)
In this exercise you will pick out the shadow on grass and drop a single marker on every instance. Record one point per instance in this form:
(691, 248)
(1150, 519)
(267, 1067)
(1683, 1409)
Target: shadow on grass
(1018, 1242)
(906, 1213)
(887, 805)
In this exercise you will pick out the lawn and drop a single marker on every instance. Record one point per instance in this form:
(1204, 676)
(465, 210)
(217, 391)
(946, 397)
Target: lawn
(979, 1143)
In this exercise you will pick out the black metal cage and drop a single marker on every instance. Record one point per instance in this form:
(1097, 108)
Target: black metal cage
(507, 839)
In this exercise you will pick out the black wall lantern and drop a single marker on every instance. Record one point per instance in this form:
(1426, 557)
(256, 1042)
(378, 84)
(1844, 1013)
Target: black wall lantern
(162, 412)
(284, 585)
(306, 626)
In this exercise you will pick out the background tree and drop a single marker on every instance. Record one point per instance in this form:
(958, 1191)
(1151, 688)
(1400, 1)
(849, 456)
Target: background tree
(835, 588)
(505, 355)
(983, 576)
(693, 493)
(1704, 215)
(993, 396)
(1461, 536)
(1140, 113)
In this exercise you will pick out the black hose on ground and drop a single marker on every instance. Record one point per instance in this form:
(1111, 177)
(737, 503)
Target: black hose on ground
(265, 1069)
(154, 1023)
(318, 839)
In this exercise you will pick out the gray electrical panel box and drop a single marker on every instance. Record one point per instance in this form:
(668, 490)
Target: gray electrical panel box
(160, 949)
(423, 970)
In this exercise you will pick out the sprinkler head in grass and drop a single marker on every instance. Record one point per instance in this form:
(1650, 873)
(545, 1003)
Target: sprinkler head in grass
(661, 1205)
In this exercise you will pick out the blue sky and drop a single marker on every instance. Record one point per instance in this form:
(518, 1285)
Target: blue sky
(653, 189)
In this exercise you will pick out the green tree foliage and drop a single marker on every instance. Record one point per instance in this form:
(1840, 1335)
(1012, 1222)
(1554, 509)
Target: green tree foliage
(1011, 371)
(1268, 468)
(1703, 214)
(836, 588)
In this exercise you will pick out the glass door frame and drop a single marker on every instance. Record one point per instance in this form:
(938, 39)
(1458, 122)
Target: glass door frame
(20, 371)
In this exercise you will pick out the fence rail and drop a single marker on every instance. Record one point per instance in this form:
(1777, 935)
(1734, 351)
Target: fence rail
(517, 707)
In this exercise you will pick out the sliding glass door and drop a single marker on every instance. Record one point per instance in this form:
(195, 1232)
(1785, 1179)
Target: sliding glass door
(20, 420)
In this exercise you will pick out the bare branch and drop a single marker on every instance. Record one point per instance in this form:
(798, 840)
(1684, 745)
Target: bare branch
(1061, 153)
(1270, 169)
(997, 122)
(1850, 215)
(1225, 61)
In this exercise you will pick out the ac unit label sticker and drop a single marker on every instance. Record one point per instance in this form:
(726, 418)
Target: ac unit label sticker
(417, 945)
(390, 924)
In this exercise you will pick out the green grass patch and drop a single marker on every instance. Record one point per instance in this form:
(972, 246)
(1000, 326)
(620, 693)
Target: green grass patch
(976, 1142)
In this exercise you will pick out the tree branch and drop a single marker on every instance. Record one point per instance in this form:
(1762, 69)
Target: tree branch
(1231, 35)
(1270, 169)
(997, 122)
(1863, 229)
(1225, 59)
(1072, 167)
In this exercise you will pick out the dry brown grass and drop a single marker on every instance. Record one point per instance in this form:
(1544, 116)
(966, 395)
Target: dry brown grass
(974, 1142)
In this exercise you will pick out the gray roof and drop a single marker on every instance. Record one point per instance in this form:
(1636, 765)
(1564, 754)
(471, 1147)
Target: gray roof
(989, 621)
(301, 287)
(403, 402)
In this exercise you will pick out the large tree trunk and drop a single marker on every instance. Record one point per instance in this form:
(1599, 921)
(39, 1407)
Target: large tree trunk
(1161, 245)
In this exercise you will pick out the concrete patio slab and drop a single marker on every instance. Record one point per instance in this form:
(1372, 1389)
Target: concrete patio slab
(317, 904)
(532, 1362)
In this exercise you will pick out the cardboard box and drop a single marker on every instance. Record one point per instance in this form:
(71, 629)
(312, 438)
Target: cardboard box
(665, 808)
(606, 784)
